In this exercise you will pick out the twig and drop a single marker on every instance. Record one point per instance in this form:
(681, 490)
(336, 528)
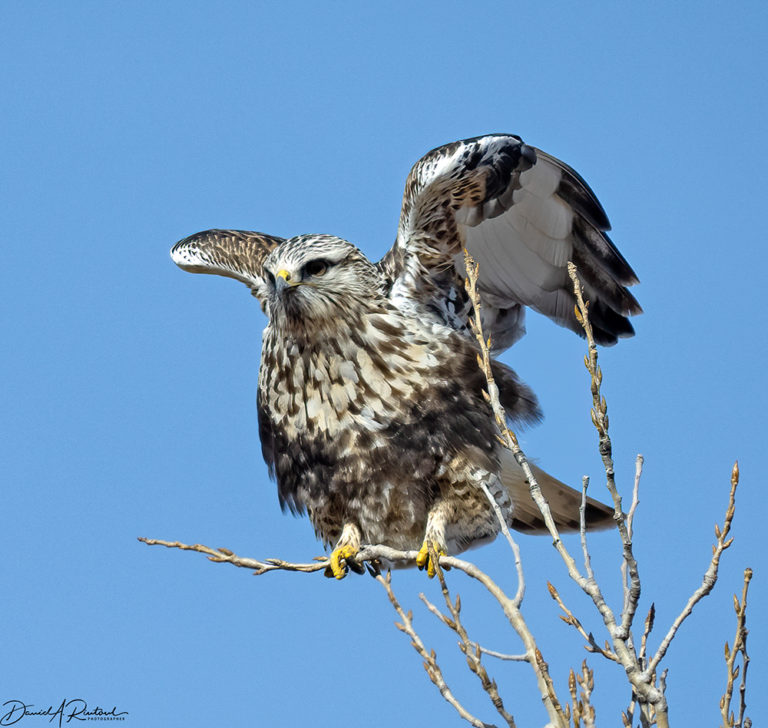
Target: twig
(600, 421)
(583, 528)
(620, 633)
(647, 627)
(474, 645)
(543, 668)
(639, 460)
(516, 620)
(507, 437)
(501, 655)
(628, 716)
(575, 707)
(371, 554)
(377, 553)
(520, 593)
(470, 650)
(430, 658)
(739, 647)
(500, 415)
(223, 555)
(570, 618)
(582, 705)
(642, 681)
(710, 576)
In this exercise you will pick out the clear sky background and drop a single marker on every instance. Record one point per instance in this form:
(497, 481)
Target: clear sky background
(129, 387)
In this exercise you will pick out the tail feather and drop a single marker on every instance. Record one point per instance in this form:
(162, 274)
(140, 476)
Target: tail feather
(564, 502)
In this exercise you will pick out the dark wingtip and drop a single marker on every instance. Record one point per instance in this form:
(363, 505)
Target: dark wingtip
(609, 326)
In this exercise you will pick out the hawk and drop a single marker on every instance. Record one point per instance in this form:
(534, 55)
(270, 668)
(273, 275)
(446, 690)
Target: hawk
(371, 411)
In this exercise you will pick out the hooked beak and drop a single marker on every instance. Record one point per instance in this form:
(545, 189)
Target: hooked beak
(283, 280)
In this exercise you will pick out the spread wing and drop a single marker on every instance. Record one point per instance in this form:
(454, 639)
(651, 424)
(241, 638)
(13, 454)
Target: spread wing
(237, 254)
(523, 215)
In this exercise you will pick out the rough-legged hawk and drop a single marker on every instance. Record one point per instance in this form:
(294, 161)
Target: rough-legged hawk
(371, 412)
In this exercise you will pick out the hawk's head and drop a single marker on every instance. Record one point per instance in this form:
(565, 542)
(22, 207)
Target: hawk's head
(315, 279)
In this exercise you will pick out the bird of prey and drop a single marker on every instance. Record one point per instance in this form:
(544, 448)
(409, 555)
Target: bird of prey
(371, 411)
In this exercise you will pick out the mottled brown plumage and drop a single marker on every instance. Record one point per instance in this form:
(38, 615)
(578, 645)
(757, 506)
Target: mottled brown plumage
(371, 413)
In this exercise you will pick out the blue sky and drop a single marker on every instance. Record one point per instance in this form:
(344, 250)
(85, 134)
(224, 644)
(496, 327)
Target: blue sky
(129, 386)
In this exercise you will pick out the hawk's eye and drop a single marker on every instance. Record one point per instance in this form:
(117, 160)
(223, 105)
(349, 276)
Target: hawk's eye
(270, 277)
(316, 267)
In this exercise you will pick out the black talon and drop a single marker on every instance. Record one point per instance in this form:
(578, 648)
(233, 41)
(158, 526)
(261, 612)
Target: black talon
(357, 567)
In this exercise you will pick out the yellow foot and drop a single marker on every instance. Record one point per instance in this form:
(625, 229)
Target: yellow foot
(338, 566)
(425, 558)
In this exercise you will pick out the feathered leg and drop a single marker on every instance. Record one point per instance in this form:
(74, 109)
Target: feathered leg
(434, 537)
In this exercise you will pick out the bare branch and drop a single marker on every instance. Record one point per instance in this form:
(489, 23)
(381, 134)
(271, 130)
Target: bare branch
(571, 619)
(516, 620)
(586, 682)
(432, 608)
(600, 420)
(474, 645)
(628, 716)
(647, 627)
(543, 668)
(620, 634)
(430, 658)
(372, 554)
(520, 593)
(472, 654)
(375, 554)
(507, 437)
(575, 707)
(223, 555)
(648, 698)
(710, 576)
(739, 647)
(583, 528)
(501, 655)
(630, 524)
(639, 462)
